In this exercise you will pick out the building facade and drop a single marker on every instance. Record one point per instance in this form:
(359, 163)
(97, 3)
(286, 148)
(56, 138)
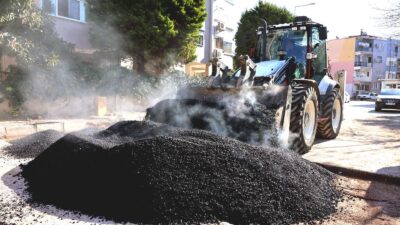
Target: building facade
(371, 63)
(69, 18)
(217, 34)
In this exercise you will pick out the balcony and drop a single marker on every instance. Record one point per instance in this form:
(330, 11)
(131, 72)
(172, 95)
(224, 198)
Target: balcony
(362, 77)
(363, 51)
(393, 68)
(358, 65)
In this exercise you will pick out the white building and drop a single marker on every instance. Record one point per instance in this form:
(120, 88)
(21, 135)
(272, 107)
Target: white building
(69, 18)
(217, 33)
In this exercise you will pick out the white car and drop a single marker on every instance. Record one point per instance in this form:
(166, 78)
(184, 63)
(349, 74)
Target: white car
(367, 96)
(346, 97)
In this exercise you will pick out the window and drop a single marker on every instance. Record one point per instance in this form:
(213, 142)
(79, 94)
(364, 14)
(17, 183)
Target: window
(74, 9)
(369, 59)
(367, 74)
(378, 59)
(228, 47)
(219, 43)
(49, 7)
(200, 42)
(315, 36)
(320, 63)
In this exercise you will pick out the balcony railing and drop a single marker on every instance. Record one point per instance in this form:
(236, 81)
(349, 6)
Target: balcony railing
(363, 64)
(393, 68)
(361, 49)
(362, 77)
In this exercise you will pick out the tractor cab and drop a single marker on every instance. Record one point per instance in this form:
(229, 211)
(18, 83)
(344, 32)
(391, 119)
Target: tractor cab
(303, 40)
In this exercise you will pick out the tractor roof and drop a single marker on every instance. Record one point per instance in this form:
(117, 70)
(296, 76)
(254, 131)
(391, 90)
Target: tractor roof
(298, 21)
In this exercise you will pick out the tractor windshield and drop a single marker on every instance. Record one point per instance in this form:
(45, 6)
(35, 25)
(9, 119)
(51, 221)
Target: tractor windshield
(285, 43)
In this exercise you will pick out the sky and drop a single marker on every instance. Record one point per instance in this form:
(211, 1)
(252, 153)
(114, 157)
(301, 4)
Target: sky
(342, 17)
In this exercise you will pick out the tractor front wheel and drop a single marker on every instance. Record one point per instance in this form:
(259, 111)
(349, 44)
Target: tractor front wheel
(303, 119)
(332, 116)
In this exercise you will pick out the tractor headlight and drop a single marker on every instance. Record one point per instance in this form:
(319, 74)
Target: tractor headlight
(378, 99)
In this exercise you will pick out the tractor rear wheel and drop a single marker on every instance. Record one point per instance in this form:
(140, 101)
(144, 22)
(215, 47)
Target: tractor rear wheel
(303, 119)
(332, 114)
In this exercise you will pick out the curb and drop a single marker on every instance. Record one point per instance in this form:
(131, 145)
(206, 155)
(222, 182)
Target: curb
(363, 175)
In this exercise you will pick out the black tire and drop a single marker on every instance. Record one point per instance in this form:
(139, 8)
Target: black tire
(302, 140)
(328, 127)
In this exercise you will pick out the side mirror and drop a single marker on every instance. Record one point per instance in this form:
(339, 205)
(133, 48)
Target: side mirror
(323, 33)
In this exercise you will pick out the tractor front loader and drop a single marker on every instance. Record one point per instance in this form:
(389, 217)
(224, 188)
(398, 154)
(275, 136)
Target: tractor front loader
(280, 96)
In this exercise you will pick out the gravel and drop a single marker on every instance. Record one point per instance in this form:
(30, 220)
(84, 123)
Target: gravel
(144, 172)
(248, 122)
(32, 145)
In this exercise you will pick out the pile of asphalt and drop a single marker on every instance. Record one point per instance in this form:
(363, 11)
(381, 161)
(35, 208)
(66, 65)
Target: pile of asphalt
(250, 123)
(32, 145)
(145, 172)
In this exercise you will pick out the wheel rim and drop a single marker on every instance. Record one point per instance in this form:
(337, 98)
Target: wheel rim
(336, 115)
(309, 122)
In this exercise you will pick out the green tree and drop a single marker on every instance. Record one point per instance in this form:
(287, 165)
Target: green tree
(154, 34)
(27, 34)
(246, 37)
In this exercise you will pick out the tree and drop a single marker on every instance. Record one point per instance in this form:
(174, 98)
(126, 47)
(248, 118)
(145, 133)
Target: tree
(27, 34)
(245, 37)
(390, 18)
(154, 34)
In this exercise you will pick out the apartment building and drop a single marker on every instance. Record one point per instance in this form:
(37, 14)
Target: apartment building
(371, 63)
(69, 18)
(218, 34)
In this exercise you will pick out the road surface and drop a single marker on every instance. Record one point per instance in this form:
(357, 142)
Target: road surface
(368, 141)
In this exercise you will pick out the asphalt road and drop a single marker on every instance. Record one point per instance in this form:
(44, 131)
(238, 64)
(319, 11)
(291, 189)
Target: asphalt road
(368, 141)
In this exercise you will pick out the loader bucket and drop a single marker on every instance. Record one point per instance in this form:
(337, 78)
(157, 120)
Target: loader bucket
(253, 115)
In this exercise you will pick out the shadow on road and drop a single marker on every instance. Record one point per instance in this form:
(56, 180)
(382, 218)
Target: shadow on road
(384, 195)
(386, 111)
(369, 106)
(391, 122)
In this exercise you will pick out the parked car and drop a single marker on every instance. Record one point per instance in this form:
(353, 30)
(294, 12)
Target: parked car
(346, 97)
(388, 99)
(367, 96)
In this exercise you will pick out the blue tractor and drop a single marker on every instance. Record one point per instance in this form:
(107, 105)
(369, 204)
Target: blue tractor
(287, 71)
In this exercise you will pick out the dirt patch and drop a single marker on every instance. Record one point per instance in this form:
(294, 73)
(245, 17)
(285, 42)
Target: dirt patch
(145, 172)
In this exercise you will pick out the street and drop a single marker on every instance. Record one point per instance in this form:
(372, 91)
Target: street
(368, 141)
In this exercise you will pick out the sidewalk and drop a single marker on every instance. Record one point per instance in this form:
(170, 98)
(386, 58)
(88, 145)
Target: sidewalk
(15, 129)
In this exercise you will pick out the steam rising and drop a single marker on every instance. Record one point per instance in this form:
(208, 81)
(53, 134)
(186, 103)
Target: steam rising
(65, 92)
(60, 93)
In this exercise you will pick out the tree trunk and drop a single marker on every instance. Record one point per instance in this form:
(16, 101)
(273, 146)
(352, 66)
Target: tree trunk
(140, 65)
